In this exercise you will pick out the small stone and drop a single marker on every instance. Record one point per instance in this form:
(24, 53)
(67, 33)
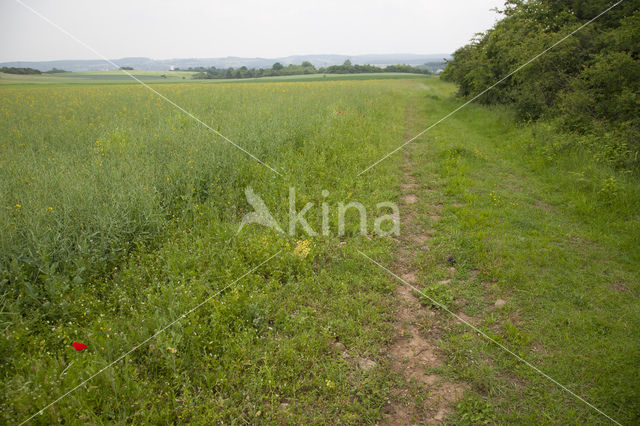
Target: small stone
(500, 303)
(284, 406)
(339, 346)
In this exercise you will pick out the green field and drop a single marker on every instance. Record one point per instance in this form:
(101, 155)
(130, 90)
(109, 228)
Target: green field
(120, 214)
(119, 77)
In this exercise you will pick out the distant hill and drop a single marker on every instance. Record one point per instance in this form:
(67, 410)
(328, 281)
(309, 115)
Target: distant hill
(230, 61)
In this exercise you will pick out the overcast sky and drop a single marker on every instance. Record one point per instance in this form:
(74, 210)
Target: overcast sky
(163, 29)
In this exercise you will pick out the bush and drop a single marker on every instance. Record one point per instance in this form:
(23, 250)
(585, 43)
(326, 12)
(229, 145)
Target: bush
(589, 84)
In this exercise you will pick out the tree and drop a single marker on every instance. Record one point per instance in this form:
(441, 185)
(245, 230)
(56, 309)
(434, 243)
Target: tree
(588, 85)
(277, 66)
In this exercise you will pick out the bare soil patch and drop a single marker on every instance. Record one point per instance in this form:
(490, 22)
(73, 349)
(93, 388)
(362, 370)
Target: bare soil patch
(415, 352)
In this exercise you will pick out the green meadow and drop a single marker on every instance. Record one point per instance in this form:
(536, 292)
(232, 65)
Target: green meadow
(120, 215)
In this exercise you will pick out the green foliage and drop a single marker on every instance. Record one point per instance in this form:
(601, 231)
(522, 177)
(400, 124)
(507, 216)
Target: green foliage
(54, 71)
(514, 335)
(474, 410)
(305, 68)
(588, 85)
(14, 70)
(437, 292)
(348, 68)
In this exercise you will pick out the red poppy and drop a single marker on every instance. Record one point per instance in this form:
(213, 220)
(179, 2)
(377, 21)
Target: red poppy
(339, 112)
(79, 346)
(362, 115)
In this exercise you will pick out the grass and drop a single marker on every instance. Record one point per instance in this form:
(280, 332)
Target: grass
(119, 214)
(556, 237)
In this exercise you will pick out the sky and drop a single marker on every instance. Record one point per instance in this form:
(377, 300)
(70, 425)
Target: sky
(164, 29)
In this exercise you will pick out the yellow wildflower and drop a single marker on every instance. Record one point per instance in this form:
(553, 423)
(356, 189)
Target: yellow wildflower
(302, 248)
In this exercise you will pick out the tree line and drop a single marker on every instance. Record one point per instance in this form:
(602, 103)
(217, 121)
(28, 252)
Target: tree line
(305, 68)
(26, 71)
(587, 87)
(16, 70)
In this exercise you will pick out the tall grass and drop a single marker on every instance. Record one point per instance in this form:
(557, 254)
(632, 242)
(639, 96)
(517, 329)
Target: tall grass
(88, 173)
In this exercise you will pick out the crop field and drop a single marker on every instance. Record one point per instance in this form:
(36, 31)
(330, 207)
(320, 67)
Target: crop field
(119, 228)
(120, 213)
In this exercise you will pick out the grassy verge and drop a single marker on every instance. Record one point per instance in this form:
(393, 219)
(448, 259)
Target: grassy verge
(557, 240)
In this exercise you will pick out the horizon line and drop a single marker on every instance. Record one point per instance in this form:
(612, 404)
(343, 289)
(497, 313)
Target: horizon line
(229, 56)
